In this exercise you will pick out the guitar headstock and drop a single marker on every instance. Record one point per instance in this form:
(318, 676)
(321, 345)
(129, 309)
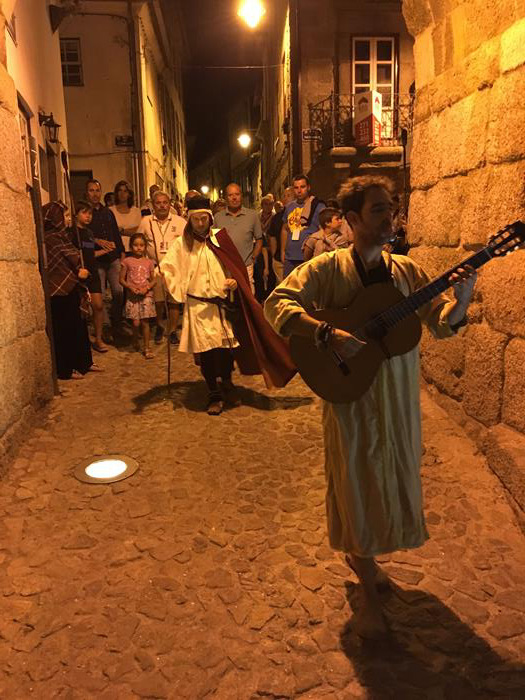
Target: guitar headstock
(508, 239)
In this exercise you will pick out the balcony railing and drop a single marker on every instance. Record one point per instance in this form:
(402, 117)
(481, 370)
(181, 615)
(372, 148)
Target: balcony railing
(333, 118)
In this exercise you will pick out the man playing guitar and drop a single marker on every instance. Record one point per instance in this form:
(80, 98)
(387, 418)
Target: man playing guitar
(372, 444)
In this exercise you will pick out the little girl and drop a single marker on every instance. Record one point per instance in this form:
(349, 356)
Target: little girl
(136, 275)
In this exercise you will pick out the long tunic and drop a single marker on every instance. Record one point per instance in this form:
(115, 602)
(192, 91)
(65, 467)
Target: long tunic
(372, 445)
(197, 272)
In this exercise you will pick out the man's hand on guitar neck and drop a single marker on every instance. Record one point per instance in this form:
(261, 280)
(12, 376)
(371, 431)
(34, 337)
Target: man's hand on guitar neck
(463, 281)
(345, 344)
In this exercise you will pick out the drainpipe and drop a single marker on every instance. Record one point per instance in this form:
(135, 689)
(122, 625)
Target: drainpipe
(138, 146)
(295, 79)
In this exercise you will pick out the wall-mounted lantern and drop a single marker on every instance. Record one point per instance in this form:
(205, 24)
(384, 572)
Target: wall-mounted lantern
(50, 125)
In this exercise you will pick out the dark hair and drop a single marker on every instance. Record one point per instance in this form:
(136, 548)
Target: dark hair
(82, 205)
(352, 194)
(301, 176)
(131, 194)
(326, 216)
(93, 181)
(136, 235)
(332, 203)
(107, 197)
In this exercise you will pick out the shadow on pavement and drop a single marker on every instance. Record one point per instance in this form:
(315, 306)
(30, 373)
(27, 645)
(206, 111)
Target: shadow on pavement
(431, 654)
(194, 395)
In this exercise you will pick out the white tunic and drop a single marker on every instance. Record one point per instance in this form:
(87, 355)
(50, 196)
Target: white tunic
(198, 272)
(372, 445)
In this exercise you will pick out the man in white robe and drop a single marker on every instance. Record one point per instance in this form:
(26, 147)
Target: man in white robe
(372, 445)
(195, 277)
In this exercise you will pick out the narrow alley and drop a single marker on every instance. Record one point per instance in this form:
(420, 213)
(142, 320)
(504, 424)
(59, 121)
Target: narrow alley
(207, 574)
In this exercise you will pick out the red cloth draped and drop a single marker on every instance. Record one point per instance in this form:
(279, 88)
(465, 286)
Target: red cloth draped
(261, 350)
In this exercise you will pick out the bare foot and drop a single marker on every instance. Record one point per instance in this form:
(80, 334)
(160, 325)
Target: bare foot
(369, 622)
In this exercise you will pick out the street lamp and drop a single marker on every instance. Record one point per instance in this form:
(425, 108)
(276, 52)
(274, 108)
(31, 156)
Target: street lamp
(205, 189)
(251, 11)
(244, 139)
(50, 125)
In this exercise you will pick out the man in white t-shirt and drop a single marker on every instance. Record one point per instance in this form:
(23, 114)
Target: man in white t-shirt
(160, 229)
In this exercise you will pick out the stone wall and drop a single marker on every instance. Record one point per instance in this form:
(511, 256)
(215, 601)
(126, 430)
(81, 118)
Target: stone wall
(25, 367)
(468, 181)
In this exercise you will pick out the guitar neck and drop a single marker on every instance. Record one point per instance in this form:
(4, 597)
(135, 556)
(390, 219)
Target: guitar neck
(424, 295)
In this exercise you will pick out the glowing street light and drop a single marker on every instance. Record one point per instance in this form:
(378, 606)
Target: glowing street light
(244, 140)
(205, 189)
(251, 11)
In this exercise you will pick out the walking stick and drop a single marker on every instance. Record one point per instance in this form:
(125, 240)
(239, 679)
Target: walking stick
(168, 343)
(63, 157)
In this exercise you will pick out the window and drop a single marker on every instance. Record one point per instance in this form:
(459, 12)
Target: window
(25, 133)
(71, 62)
(44, 173)
(373, 68)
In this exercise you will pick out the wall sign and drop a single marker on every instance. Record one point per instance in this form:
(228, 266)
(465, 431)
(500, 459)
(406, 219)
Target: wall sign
(312, 135)
(124, 140)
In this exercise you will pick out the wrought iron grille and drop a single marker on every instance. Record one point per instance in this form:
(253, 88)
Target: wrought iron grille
(333, 117)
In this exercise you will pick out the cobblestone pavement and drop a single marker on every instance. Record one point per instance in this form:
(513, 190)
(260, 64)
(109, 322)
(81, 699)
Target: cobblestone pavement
(207, 574)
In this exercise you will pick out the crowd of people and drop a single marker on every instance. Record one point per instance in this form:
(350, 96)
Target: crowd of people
(112, 247)
(106, 266)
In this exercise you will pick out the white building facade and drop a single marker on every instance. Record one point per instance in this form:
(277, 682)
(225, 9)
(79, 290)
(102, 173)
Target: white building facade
(121, 65)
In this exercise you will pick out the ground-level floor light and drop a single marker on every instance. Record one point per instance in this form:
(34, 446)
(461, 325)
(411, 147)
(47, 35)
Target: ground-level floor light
(105, 469)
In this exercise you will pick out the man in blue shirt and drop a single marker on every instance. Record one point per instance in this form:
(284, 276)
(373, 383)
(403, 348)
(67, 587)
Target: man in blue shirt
(300, 220)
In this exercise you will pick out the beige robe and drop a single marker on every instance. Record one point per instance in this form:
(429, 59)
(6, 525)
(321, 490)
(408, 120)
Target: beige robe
(198, 272)
(372, 445)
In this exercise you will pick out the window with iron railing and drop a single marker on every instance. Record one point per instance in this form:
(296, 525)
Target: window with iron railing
(333, 117)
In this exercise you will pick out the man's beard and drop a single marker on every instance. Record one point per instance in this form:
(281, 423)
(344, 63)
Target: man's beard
(201, 236)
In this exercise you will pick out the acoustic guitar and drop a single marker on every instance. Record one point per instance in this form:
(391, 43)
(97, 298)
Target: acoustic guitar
(387, 320)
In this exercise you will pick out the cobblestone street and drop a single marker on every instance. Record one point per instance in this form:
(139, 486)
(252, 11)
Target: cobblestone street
(207, 574)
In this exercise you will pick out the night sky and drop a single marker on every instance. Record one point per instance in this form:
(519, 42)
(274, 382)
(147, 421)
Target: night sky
(216, 37)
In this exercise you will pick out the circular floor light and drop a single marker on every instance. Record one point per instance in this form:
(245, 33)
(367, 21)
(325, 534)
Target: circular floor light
(106, 469)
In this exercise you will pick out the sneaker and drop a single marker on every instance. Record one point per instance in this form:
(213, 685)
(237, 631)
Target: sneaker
(159, 334)
(174, 339)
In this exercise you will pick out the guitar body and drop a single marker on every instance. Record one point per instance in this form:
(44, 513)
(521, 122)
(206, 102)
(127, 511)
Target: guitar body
(319, 369)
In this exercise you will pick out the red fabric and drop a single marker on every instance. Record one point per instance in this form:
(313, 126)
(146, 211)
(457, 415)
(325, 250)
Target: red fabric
(261, 350)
